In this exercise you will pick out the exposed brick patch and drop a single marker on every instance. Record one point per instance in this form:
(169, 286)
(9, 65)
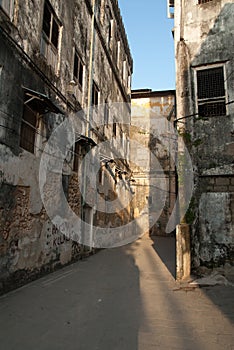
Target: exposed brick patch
(217, 184)
(222, 181)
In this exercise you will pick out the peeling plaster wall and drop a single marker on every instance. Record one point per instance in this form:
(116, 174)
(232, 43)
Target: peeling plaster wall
(204, 36)
(30, 244)
(153, 157)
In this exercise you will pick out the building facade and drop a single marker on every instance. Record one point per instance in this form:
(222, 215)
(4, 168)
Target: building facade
(61, 63)
(203, 35)
(153, 151)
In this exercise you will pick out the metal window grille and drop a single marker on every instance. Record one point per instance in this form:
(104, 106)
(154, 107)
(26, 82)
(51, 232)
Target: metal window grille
(203, 1)
(211, 92)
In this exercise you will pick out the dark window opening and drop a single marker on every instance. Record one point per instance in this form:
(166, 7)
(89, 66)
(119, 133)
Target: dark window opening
(114, 128)
(203, 1)
(78, 69)
(212, 109)
(28, 129)
(95, 93)
(211, 92)
(46, 20)
(210, 82)
(100, 176)
(50, 25)
(55, 33)
(106, 113)
(76, 157)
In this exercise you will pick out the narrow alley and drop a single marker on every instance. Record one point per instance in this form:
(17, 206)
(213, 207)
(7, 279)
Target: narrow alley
(124, 298)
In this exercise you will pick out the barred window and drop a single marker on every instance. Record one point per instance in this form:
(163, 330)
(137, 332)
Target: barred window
(203, 1)
(211, 97)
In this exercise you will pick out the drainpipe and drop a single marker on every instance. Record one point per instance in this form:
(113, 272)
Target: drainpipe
(91, 67)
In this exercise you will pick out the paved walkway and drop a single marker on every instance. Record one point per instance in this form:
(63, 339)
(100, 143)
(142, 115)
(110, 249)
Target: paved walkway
(118, 299)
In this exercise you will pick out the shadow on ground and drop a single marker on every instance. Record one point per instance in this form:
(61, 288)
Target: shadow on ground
(165, 247)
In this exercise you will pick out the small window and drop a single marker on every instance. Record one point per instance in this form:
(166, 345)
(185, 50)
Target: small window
(76, 157)
(118, 51)
(110, 30)
(101, 176)
(95, 94)
(211, 98)
(106, 113)
(78, 69)
(124, 71)
(170, 8)
(203, 1)
(28, 128)
(8, 6)
(114, 128)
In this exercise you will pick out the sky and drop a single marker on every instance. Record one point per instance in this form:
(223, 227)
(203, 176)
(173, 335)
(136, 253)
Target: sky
(151, 43)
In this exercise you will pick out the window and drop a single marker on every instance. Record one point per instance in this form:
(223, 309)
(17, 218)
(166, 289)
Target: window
(95, 94)
(28, 128)
(114, 128)
(36, 105)
(8, 6)
(211, 99)
(101, 175)
(203, 1)
(124, 71)
(170, 8)
(50, 35)
(76, 156)
(78, 69)
(106, 113)
(118, 53)
(110, 30)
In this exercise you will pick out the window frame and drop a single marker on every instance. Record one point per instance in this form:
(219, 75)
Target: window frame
(79, 77)
(28, 130)
(9, 11)
(201, 101)
(114, 128)
(76, 158)
(53, 19)
(201, 2)
(95, 94)
(106, 113)
(48, 48)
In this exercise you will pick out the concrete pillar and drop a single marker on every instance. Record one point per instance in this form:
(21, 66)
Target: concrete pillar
(183, 255)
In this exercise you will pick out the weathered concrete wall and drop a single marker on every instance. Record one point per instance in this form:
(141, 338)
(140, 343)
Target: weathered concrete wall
(203, 37)
(29, 242)
(153, 156)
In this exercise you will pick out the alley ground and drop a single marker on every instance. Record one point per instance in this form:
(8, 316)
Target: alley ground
(118, 299)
